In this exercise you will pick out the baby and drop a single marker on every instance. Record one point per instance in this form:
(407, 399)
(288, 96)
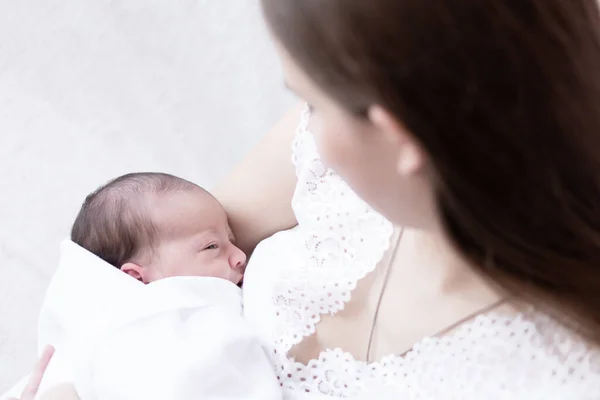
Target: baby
(180, 333)
(155, 225)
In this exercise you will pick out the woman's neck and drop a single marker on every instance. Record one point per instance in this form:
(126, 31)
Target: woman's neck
(433, 265)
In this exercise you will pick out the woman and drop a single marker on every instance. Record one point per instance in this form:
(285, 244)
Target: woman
(474, 126)
(472, 129)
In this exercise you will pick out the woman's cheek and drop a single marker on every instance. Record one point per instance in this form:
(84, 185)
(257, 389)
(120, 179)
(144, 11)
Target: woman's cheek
(326, 146)
(337, 148)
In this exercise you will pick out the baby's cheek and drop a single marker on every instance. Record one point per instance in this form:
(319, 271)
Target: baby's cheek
(183, 267)
(207, 268)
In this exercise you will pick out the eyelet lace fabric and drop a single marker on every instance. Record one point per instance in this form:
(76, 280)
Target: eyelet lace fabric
(343, 237)
(494, 357)
(529, 356)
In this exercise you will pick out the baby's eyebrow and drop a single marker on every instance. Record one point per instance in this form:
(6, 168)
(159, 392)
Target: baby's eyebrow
(231, 235)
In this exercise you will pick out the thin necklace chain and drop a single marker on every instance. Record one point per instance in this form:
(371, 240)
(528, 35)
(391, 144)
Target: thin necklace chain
(381, 293)
(451, 327)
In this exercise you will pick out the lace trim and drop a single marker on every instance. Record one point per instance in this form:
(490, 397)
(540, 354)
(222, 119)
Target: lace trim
(344, 241)
(490, 355)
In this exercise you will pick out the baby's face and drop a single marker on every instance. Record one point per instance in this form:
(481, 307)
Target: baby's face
(195, 239)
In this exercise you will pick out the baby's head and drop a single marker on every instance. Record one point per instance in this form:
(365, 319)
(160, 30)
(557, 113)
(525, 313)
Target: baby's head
(154, 226)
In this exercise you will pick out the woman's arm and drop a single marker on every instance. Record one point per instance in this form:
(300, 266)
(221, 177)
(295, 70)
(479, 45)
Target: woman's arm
(257, 194)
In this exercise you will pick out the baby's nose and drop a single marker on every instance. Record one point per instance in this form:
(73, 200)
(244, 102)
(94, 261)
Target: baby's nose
(238, 259)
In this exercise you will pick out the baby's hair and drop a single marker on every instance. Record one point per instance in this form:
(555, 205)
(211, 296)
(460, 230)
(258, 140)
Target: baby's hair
(114, 222)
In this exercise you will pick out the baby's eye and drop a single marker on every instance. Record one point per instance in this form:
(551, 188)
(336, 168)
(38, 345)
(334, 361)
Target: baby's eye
(211, 247)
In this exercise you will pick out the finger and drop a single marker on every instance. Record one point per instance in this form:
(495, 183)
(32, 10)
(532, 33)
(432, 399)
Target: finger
(35, 379)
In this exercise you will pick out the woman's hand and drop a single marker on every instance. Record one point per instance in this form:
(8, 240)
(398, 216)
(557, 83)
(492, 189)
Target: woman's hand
(35, 379)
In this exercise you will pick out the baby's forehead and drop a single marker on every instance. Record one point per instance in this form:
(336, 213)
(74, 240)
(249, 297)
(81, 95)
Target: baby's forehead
(188, 212)
(220, 230)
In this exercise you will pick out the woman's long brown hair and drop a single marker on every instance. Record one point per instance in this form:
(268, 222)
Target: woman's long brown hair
(504, 96)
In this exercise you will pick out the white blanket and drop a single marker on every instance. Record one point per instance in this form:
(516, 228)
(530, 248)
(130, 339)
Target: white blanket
(177, 338)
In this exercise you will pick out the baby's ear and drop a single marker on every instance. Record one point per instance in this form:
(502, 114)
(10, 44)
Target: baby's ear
(135, 271)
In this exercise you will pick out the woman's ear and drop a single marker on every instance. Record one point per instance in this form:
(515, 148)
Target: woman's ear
(135, 271)
(410, 155)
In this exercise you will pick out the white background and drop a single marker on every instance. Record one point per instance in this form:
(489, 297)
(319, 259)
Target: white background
(90, 89)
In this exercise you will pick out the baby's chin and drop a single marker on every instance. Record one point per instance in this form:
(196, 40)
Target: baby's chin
(237, 280)
(240, 281)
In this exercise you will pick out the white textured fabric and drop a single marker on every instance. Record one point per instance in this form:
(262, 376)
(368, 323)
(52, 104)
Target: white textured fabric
(177, 338)
(338, 241)
(185, 340)
(78, 307)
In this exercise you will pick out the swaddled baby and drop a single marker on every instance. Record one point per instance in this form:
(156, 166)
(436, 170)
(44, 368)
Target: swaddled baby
(154, 225)
(179, 335)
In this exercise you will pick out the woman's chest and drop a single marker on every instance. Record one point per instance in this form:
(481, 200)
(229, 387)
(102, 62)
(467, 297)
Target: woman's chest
(359, 349)
(304, 311)
(386, 314)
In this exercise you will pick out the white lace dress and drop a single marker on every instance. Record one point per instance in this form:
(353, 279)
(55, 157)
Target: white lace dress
(297, 276)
